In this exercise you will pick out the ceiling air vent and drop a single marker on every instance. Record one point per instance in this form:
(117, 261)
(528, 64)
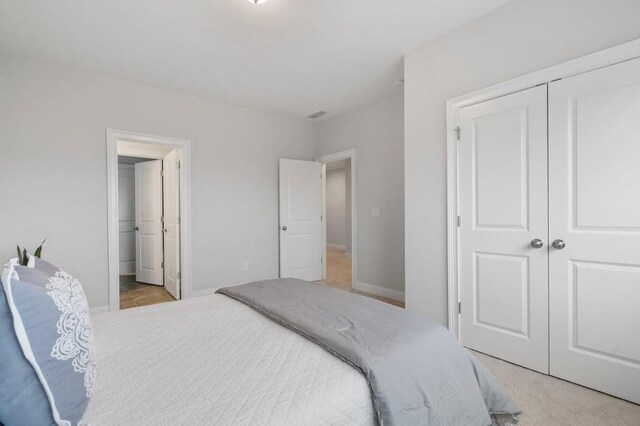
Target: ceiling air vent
(316, 114)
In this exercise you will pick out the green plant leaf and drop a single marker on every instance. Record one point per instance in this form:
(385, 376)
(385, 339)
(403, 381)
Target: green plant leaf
(38, 252)
(19, 255)
(25, 258)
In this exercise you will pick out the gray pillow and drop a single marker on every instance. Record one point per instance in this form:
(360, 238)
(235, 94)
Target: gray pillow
(52, 325)
(22, 399)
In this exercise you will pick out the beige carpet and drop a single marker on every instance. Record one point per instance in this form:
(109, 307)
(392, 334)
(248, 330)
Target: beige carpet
(547, 401)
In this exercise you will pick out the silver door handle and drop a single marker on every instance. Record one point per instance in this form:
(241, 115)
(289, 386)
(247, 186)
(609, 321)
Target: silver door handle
(164, 229)
(136, 228)
(284, 228)
(537, 243)
(559, 244)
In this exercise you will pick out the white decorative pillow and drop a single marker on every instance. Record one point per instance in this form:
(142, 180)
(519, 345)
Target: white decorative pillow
(51, 321)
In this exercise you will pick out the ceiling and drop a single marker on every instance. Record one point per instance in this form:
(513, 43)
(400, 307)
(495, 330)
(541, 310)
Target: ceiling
(290, 57)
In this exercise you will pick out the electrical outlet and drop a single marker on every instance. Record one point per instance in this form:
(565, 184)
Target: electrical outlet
(245, 266)
(375, 211)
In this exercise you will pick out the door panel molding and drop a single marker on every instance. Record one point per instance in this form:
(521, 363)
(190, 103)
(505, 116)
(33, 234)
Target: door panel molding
(523, 330)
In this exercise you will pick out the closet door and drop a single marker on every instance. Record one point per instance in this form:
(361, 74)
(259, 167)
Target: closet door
(503, 228)
(594, 154)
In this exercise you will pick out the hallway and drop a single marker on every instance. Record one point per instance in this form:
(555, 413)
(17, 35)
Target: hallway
(339, 275)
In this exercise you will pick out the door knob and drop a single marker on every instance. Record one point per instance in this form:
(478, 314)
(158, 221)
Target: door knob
(537, 243)
(284, 228)
(164, 229)
(559, 244)
(136, 228)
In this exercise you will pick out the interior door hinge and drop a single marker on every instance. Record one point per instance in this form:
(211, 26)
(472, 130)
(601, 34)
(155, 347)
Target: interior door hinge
(458, 221)
(457, 130)
(162, 219)
(161, 172)
(178, 164)
(178, 220)
(459, 307)
(321, 219)
(178, 276)
(321, 261)
(162, 265)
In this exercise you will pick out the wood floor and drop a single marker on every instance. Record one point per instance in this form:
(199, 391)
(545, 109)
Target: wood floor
(339, 275)
(134, 294)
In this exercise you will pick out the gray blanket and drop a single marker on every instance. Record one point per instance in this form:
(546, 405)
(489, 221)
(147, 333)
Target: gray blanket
(417, 372)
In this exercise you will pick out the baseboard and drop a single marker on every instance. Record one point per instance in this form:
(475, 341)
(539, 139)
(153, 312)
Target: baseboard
(205, 292)
(211, 291)
(380, 291)
(336, 246)
(99, 310)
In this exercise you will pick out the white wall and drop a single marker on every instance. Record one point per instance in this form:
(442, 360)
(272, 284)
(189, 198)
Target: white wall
(53, 170)
(336, 208)
(127, 218)
(518, 38)
(376, 132)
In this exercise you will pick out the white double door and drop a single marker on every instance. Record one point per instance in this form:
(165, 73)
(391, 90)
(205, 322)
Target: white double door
(549, 237)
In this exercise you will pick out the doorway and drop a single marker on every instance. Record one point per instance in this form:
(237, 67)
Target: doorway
(147, 191)
(148, 219)
(305, 251)
(310, 246)
(338, 224)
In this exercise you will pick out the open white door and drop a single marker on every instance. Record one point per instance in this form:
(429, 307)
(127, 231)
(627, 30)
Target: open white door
(503, 228)
(301, 184)
(171, 187)
(148, 227)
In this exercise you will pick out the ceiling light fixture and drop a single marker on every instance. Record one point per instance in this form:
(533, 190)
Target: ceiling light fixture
(258, 1)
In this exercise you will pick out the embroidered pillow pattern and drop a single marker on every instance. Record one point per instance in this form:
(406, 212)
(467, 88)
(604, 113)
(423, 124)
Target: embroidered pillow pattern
(74, 327)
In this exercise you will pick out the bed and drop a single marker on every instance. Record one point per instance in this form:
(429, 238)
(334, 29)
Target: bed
(246, 368)
(272, 352)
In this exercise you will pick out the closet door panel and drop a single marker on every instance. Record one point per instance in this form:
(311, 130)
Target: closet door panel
(594, 159)
(503, 208)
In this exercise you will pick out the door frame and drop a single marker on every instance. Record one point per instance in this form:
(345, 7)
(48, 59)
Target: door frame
(349, 154)
(183, 146)
(607, 57)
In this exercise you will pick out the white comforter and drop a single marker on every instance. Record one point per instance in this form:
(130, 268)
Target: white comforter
(212, 360)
